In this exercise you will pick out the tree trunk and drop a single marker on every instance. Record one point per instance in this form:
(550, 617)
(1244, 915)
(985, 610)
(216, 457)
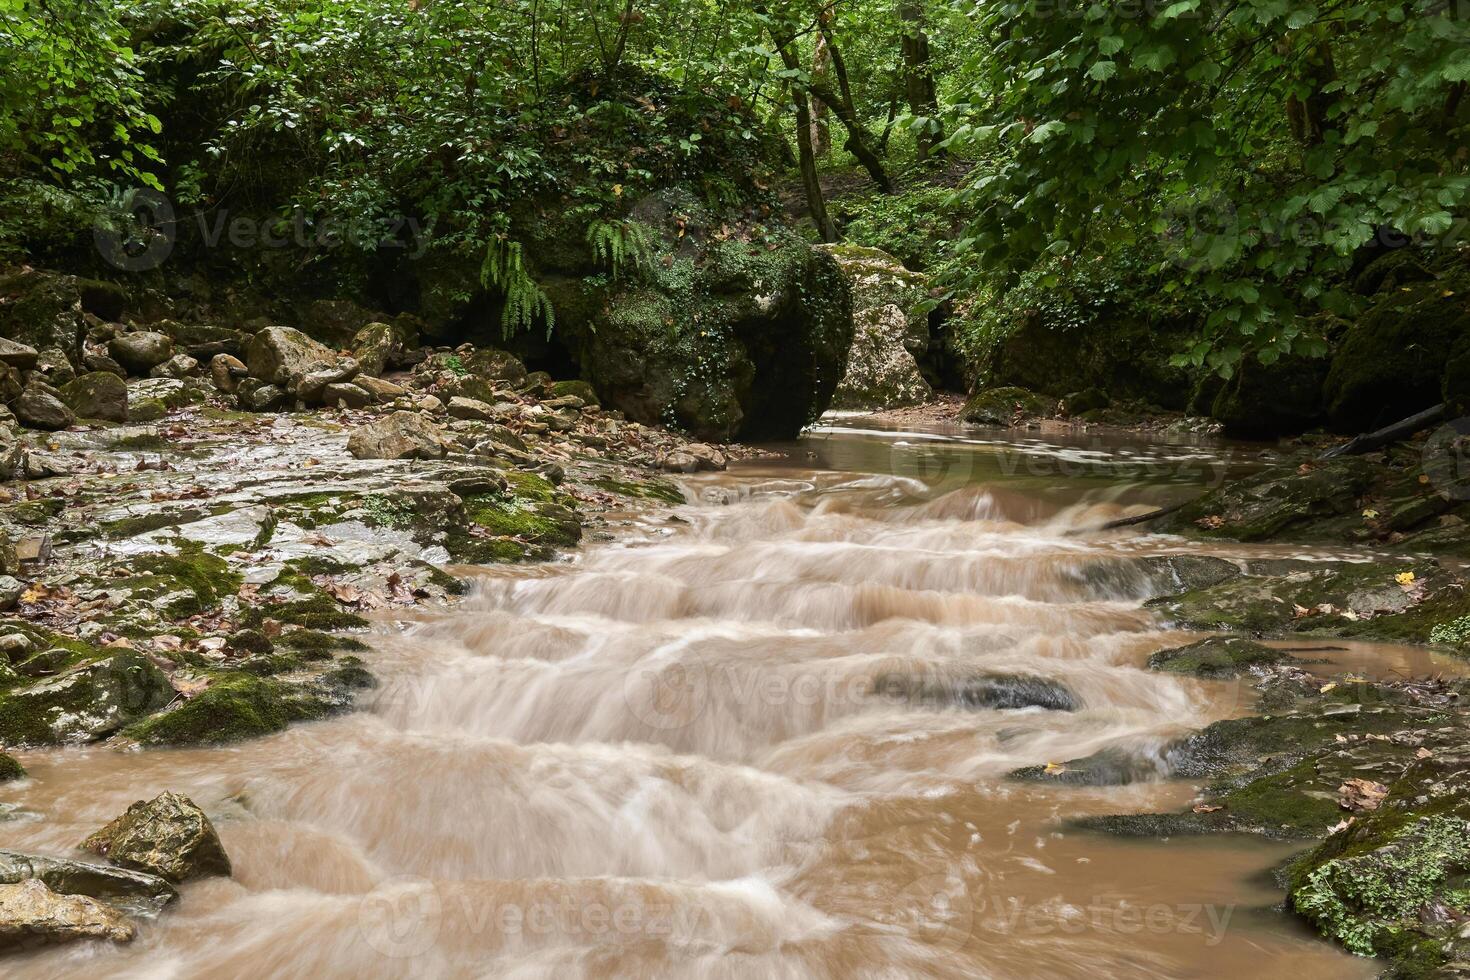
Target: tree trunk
(816, 203)
(821, 134)
(918, 77)
(859, 142)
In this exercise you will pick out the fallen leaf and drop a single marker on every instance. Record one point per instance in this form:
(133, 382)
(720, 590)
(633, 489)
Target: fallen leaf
(1361, 794)
(1404, 578)
(1370, 514)
(1423, 753)
(1340, 825)
(1212, 521)
(1053, 768)
(1326, 687)
(1206, 807)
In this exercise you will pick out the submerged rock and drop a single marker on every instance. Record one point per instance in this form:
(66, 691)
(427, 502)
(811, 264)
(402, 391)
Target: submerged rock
(32, 914)
(168, 836)
(987, 691)
(1005, 407)
(1110, 767)
(1217, 657)
(10, 769)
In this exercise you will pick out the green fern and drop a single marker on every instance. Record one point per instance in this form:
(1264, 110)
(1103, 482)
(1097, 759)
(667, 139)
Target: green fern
(616, 244)
(505, 269)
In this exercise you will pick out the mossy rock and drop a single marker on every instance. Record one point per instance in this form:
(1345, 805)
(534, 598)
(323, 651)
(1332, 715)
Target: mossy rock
(1217, 657)
(1270, 400)
(1393, 882)
(1392, 361)
(1307, 504)
(642, 489)
(235, 706)
(88, 702)
(1005, 407)
(315, 644)
(10, 768)
(1394, 601)
(577, 389)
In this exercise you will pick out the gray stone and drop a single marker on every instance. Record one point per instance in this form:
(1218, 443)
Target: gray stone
(40, 407)
(226, 371)
(470, 408)
(141, 351)
(97, 395)
(17, 355)
(178, 366)
(402, 435)
(282, 356)
(10, 593)
(373, 347)
(383, 391)
(117, 886)
(343, 393)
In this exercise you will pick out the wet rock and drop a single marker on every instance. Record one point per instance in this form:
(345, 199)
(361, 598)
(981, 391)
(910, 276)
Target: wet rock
(235, 706)
(15, 646)
(20, 356)
(41, 407)
(87, 702)
(226, 371)
(53, 367)
(496, 365)
(1282, 499)
(1217, 657)
(998, 692)
(1110, 767)
(97, 395)
(350, 395)
(374, 346)
(679, 462)
(47, 663)
(1006, 407)
(141, 351)
(10, 769)
(178, 366)
(32, 914)
(1086, 400)
(402, 435)
(97, 360)
(134, 891)
(44, 309)
(168, 836)
(1264, 401)
(1398, 601)
(282, 356)
(204, 342)
(890, 331)
(708, 456)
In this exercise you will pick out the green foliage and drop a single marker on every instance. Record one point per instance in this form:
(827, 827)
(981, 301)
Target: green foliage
(505, 270)
(1247, 140)
(616, 244)
(1455, 633)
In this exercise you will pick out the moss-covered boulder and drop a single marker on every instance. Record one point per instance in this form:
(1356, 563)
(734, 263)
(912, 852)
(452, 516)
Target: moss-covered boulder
(168, 836)
(1269, 400)
(727, 339)
(234, 707)
(1006, 406)
(45, 309)
(1295, 498)
(10, 768)
(1392, 361)
(85, 703)
(97, 395)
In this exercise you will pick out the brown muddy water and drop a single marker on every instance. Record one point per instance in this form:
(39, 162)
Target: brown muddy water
(666, 757)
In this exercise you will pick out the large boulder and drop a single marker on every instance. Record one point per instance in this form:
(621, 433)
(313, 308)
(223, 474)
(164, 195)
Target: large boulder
(374, 346)
(1269, 400)
(283, 356)
(32, 915)
(890, 331)
(740, 339)
(141, 350)
(40, 407)
(168, 836)
(97, 395)
(1393, 361)
(402, 435)
(20, 356)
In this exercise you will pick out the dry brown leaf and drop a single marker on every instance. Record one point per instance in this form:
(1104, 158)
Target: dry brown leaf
(1361, 794)
(1206, 807)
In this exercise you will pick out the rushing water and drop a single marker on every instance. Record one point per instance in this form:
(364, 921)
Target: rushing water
(667, 758)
